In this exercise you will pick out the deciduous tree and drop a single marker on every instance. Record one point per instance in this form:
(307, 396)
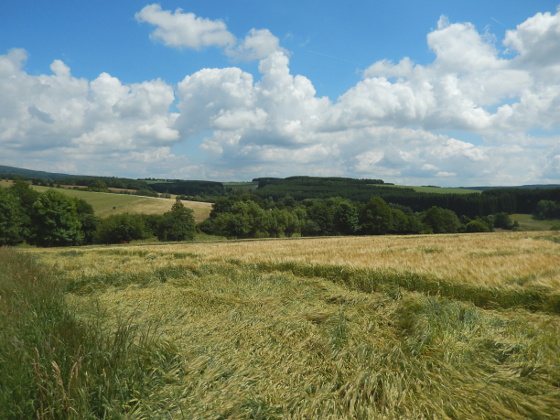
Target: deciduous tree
(54, 220)
(11, 219)
(177, 224)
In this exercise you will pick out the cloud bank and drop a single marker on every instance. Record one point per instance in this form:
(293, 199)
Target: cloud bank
(481, 113)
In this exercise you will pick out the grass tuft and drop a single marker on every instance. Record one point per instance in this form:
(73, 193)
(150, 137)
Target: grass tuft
(54, 366)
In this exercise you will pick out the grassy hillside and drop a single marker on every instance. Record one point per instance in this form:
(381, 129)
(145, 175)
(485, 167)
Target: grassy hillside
(528, 222)
(105, 204)
(439, 327)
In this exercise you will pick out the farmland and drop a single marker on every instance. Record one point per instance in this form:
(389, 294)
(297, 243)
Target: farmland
(438, 326)
(105, 204)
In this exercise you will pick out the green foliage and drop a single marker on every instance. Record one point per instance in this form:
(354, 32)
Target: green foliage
(509, 200)
(55, 221)
(11, 219)
(87, 219)
(177, 224)
(441, 220)
(189, 188)
(245, 219)
(231, 225)
(346, 218)
(477, 226)
(503, 221)
(376, 217)
(548, 209)
(26, 196)
(98, 186)
(399, 221)
(121, 228)
(104, 181)
(248, 216)
(320, 219)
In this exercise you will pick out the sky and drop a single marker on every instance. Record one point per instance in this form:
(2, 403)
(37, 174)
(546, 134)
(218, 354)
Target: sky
(439, 92)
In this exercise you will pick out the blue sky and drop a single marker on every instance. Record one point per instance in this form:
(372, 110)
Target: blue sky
(436, 92)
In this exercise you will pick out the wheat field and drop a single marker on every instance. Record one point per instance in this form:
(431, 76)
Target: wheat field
(391, 327)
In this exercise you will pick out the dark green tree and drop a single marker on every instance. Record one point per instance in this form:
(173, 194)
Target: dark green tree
(26, 196)
(547, 209)
(399, 222)
(231, 225)
(320, 219)
(345, 218)
(98, 186)
(87, 219)
(177, 224)
(291, 222)
(54, 221)
(11, 219)
(477, 225)
(503, 221)
(120, 228)
(376, 217)
(440, 220)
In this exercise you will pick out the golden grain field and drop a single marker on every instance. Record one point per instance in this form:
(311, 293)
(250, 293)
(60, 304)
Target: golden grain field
(391, 327)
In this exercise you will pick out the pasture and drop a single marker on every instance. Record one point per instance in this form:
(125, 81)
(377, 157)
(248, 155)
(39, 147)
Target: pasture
(106, 204)
(389, 327)
(528, 222)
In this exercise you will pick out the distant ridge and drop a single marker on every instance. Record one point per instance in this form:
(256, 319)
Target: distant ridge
(30, 173)
(53, 176)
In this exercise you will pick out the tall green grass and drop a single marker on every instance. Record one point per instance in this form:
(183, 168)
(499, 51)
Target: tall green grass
(53, 366)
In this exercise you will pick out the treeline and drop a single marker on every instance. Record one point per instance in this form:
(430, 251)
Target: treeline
(251, 216)
(307, 187)
(105, 182)
(189, 188)
(506, 200)
(54, 219)
(489, 201)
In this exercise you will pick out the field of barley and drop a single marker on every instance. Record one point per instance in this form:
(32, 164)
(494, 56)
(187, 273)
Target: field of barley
(392, 327)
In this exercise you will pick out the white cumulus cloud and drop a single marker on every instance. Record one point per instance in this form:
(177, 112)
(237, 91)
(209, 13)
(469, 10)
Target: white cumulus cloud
(258, 44)
(184, 30)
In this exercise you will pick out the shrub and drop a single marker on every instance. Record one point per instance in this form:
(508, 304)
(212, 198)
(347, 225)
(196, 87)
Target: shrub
(120, 228)
(476, 226)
